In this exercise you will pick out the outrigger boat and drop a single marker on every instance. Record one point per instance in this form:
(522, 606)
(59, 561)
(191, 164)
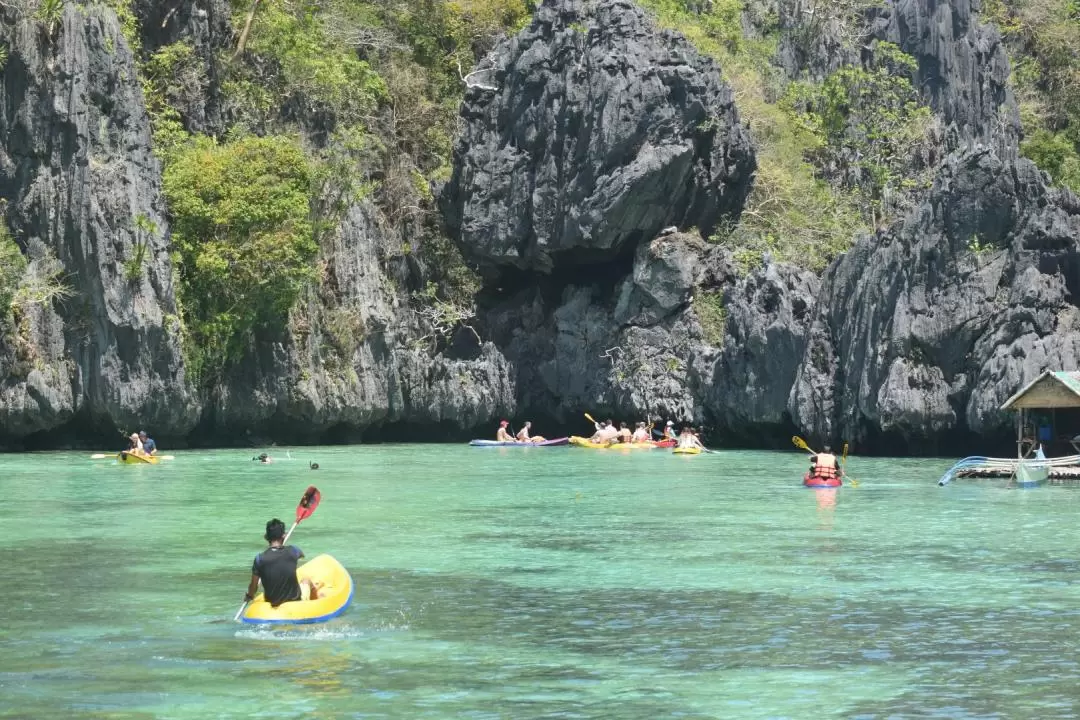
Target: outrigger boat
(1050, 391)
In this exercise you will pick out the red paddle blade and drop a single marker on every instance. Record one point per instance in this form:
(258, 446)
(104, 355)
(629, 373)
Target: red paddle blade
(308, 503)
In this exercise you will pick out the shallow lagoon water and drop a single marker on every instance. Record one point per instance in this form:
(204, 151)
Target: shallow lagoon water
(509, 583)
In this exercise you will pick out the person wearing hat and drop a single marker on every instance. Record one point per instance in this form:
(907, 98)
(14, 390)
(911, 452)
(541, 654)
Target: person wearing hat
(669, 431)
(148, 444)
(502, 435)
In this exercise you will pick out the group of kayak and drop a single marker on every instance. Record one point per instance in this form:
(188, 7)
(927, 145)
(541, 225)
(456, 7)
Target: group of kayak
(606, 436)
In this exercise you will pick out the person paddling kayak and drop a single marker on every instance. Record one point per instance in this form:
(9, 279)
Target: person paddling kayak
(604, 433)
(688, 439)
(669, 431)
(276, 568)
(641, 434)
(823, 465)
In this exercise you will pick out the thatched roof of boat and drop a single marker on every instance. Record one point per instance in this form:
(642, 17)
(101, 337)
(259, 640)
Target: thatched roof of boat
(1052, 389)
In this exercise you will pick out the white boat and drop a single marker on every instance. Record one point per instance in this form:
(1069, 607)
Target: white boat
(1049, 393)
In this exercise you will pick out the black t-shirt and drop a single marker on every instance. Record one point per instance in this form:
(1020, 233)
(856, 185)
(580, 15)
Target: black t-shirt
(276, 567)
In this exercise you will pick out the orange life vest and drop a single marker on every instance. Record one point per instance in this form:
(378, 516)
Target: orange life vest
(825, 466)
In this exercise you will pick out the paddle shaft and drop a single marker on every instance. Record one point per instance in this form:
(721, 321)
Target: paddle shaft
(283, 542)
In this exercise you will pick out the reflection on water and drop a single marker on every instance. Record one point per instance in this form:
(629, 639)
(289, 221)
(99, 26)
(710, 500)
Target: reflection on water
(541, 584)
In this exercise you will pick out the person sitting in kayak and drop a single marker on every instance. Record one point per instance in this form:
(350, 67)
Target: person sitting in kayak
(641, 434)
(624, 435)
(823, 465)
(135, 446)
(276, 568)
(502, 435)
(669, 431)
(148, 444)
(523, 434)
(688, 439)
(604, 433)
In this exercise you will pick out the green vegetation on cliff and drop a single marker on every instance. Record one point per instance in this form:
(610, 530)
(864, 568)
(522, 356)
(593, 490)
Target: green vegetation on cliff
(1043, 37)
(831, 155)
(327, 103)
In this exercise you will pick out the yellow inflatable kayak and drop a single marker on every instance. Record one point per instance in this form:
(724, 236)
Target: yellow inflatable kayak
(335, 592)
(133, 459)
(686, 451)
(586, 443)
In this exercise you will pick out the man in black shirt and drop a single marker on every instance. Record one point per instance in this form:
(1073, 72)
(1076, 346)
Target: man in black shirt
(276, 568)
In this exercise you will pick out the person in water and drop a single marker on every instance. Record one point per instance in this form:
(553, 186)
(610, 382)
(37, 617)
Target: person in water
(264, 459)
(276, 568)
(502, 435)
(523, 434)
(148, 444)
(669, 431)
(641, 434)
(823, 465)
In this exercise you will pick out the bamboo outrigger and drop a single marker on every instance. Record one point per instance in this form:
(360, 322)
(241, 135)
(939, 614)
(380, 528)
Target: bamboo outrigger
(1053, 390)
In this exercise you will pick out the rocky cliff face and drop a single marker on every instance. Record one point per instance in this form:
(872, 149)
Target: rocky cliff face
(586, 135)
(596, 152)
(83, 199)
(963, 70)
(927, 328)
(355, 359)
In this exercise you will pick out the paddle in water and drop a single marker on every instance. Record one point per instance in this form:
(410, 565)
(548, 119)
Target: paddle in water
(304, 510)
(843, 468)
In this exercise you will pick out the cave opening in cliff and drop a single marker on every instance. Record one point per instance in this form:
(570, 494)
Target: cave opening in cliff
(509, 288)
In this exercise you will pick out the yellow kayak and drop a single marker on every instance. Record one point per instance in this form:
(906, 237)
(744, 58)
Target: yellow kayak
(686, 451)
(335, 592)
(586, 443)
(133, 459)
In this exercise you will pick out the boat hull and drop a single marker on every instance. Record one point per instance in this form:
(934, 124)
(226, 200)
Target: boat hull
(334, 597)
(495, 443)
(686, 451)
(126, 458)
(584, 442)
(1029, 475)
(813, 481)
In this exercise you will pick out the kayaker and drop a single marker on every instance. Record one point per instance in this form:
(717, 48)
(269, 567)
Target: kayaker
(523, 434)
(641, 435)
(824, 464)
(135, 446)
(502, 435)
(276, 568)
(688, 439)
(148, 444)
(624, 435)
(669, 431)
(604, 433)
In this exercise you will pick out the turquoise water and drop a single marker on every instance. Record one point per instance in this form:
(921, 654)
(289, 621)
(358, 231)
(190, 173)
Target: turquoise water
(509, 583)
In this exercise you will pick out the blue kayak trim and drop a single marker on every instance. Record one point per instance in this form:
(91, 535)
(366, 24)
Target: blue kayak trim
(307, 621)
